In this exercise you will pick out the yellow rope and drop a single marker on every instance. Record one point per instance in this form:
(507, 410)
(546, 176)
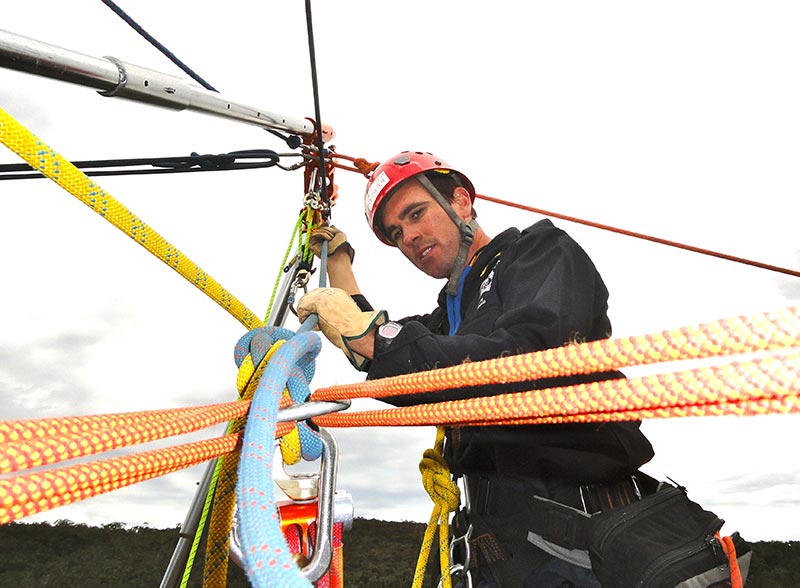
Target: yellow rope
(41, 157)
(445, 495)
(215, 572)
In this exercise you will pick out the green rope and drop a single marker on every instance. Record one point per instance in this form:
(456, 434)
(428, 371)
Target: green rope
(283, 265)
(202, 523)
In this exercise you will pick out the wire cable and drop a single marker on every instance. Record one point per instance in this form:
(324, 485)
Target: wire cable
(317, 115)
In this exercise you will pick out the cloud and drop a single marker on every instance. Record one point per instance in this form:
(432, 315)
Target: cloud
(35, 382)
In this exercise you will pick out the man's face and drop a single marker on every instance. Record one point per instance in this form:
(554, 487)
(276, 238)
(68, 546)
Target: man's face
(421, 228)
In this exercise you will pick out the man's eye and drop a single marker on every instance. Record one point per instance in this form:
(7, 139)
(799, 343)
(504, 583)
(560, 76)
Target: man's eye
(395, 235)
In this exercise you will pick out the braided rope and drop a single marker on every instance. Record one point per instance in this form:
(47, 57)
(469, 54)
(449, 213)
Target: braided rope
(223, 488)
(25, 444)
(41, 157)
(445, 495)
(762, 386)
(25, 495)
(761, 332)
(267, 558)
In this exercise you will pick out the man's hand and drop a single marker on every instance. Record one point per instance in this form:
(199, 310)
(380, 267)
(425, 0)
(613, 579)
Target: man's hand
(337, 241)
(342, 322)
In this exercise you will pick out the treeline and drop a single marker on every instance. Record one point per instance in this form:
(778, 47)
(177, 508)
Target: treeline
(378, 554)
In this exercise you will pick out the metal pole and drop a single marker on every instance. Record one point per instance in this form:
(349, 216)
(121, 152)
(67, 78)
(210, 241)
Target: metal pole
(177, 564)
(115, 78)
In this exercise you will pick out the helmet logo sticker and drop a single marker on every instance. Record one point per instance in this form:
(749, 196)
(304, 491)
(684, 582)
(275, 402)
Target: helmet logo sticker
(375, 188)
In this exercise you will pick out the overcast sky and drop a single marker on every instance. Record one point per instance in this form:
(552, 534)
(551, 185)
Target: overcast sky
(677, 119)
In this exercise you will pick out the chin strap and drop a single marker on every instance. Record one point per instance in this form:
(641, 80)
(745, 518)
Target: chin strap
(466, 230)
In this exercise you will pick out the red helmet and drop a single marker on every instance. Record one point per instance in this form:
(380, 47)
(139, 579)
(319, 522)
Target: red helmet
(392, 172)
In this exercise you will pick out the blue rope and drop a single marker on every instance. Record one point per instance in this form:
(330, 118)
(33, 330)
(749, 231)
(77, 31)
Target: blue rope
(267, 558)
(121, 13)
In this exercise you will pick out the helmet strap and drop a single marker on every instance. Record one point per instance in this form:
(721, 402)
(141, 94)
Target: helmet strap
(465, 230)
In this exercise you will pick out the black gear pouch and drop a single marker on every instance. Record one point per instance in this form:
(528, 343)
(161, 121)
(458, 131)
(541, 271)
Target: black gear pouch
(662, 541)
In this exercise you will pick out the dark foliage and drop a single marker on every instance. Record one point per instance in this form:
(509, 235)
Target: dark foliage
(378, 554)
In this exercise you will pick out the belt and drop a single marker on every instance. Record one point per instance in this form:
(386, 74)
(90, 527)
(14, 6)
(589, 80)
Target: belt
(592, 498)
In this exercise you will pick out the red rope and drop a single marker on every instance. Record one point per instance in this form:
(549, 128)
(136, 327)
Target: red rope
(692, 248)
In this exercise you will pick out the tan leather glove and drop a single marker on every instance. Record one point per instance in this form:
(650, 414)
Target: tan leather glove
(340, 319)
(337, 241)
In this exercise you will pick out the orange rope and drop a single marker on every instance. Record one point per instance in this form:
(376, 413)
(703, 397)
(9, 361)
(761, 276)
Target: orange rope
(761, 332)
(730, 552)
(761, 386)
(25, 495)
(31, 443)
(767, 384)
(360, 164)
(25, 444)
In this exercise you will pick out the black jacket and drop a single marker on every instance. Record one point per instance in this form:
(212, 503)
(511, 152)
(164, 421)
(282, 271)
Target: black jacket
(524, 292)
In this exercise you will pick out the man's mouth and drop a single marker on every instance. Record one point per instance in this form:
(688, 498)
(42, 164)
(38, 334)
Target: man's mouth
(425, 251)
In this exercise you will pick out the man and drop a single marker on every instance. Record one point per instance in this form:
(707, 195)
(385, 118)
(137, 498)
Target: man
(517, 292)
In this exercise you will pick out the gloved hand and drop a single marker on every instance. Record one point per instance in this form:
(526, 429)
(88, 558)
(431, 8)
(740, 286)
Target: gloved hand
(340, 319)
(337, 241)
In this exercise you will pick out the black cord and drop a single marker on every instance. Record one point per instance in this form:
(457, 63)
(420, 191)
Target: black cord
(159, 165)
(317, 116)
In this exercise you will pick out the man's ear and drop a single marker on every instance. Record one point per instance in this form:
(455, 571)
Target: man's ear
(462, 203)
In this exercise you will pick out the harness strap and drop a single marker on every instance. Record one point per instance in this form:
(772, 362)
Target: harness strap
(560, 524)
(466, 230)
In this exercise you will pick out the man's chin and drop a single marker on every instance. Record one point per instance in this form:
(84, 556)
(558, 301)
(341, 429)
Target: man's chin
(432, 272)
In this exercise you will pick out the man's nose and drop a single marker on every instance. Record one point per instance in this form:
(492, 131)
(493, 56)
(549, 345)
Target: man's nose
(410, 234)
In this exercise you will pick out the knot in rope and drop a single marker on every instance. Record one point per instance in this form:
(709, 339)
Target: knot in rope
(445, 495)
(250, 352)
(438, 483)
(364, 167)
(267, 558)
